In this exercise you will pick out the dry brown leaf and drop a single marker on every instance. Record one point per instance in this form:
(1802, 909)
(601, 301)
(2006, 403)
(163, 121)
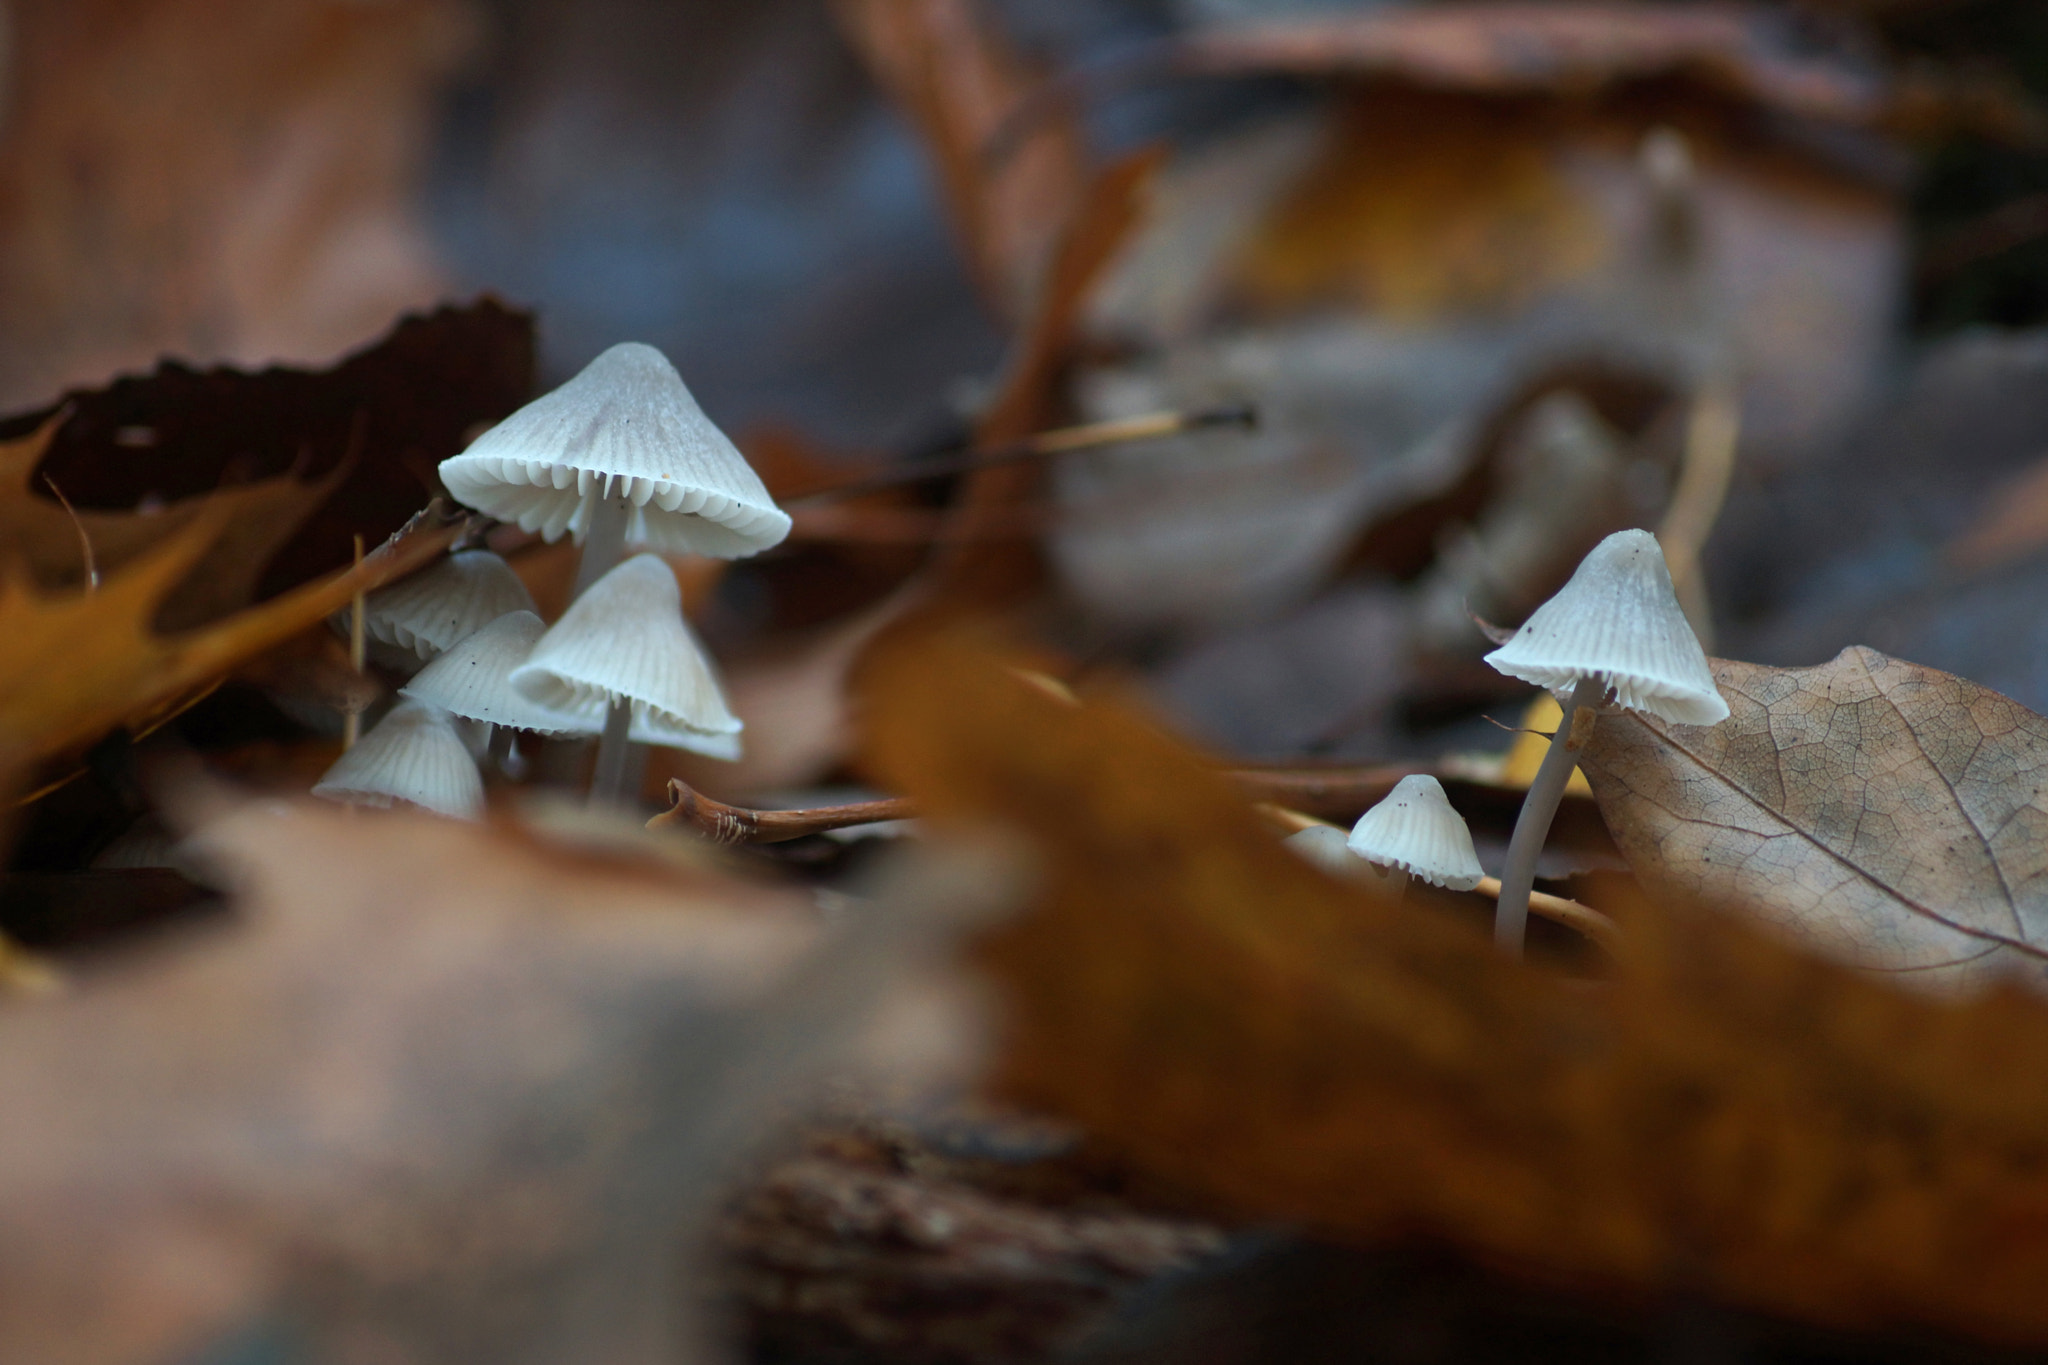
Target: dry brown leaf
(1541, 46)
(958, 81)
(1732, 1118)
(79, 664)
(439, 1089)
(1892, 815)
(220, 181)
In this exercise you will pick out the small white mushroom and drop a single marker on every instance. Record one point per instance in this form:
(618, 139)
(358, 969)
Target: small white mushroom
(473, 679)
(413, 755)
(1416, 832)
(626, 429)
(623, 658)
(1324, 846)
(418, 617)
(1616, 628)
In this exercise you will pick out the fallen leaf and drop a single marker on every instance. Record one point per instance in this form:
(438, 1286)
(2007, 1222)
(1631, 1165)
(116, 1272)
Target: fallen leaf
(223, 181)
(371, 428)
(959, 82)
(79, 664)
(438, 1087)
(1889, 814)
(1733, 1118)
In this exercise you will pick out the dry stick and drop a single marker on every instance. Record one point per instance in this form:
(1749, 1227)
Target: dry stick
(352, 721)
(1712, 429)
(723, 824)
(1532, 825)
(1057, 441)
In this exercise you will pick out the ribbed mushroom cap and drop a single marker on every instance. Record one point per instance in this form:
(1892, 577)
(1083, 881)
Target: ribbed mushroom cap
(1326, 847)
(434, 608)
(473, 679)
(625, 426)
(625, 639)
(414, 755)
(1416, 830)
(1618, 620)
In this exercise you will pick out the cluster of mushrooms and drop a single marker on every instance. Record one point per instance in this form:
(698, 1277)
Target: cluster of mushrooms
(620, 457)
(1613, 637)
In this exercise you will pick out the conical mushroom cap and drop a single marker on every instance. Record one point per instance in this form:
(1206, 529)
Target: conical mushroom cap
(1618, 620)
(1416, 830)
(431, 610)
(625, 639)
(625, 426)
(1326, 847)
(473, 679)
(413, 754)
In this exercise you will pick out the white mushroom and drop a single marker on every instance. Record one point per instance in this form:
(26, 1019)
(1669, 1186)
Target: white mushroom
(418, 617)
(1324, 846)
(1414, 831)
(413, 755)
(625, 430)
(1615, 628)
(473, 679)
(623, 648)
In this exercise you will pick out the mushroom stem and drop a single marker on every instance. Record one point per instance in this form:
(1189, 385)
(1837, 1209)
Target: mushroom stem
(1392, 880)
(1532, 826)
(604, 542)
(617, 767)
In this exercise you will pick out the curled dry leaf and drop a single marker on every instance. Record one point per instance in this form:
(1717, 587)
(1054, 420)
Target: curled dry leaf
(439, 1086)
(80, 664)
(1892, 815)
(1732, 1118)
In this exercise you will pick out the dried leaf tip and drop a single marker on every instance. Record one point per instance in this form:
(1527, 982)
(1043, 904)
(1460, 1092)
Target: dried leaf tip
(625, 427)
(1619, 621)
(1416, 830)
(625, 640)
(413, 755)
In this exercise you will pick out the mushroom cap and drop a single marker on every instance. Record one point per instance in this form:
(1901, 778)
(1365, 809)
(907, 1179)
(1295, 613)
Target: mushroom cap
(473, 678)
(1326, 847)
(627, 426)
(625, 639)
(1618, 620)
(1416, 830)
(431, 610)
(414, 754)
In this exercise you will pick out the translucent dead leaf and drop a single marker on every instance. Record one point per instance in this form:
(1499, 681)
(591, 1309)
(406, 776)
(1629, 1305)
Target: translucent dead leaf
(1892, 815)
(1731, 1118)
(438, 1086)
(81, 663)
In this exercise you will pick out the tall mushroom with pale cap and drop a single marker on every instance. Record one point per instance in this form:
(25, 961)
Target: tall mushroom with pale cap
(1415, 832)
(416, 618)
(1615, 629)
(622, 455)
(413, 755)
(623, 646)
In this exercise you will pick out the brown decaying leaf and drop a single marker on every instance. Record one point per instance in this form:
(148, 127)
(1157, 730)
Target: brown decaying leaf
(1732, 1118)
(371, 428)
(217, 179)
(959, 82)
(80, 664)
(1544, 46)
(1892, 815)
(443, 1088)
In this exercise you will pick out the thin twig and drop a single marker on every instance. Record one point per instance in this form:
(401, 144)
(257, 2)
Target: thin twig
(92, 568)
(723, 824)
(1121, 430)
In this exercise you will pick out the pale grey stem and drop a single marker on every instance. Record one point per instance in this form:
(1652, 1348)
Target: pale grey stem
(1392, 880)
(1532, 826)
(608, 781)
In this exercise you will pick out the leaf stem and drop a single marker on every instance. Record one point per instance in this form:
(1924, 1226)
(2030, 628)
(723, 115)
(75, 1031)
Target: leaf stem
(1532, 826)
